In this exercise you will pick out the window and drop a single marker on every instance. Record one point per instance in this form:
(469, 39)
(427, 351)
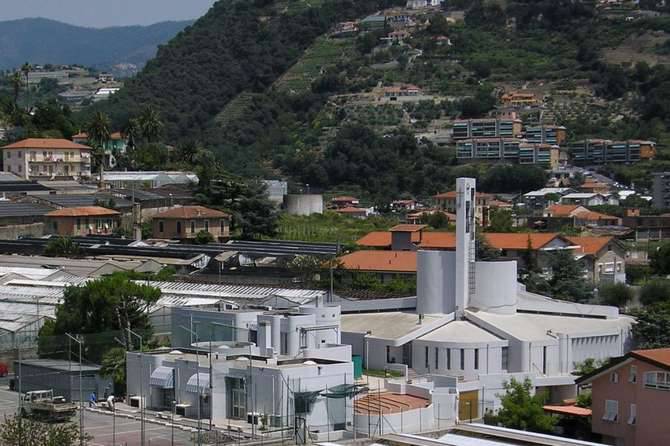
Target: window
(437, 358)
(614, 377)
(462, 359)
(178, 227)
(448, 359)
(611, 411)
(223, 226)
(632, 374)
(427, 363)
(632, 414)
(78, 224)
(206, 225)
(192, 226)
(388, 354)
(160, 226)
(476, 359)
(504, 358)
(657, 380)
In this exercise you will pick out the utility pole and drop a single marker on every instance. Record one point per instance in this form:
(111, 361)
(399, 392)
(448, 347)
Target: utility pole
(197, 378)
(142, 398)
(79, 341)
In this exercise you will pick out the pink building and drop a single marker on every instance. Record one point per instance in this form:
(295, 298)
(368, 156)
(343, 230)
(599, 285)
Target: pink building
(631, 399)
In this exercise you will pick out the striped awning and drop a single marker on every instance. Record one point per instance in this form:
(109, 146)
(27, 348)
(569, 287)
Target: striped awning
(192, 384)
(162, 377)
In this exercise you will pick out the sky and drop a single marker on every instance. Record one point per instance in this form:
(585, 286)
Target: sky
(103, 13)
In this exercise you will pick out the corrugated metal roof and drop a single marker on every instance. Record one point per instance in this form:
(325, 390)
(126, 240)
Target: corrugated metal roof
(12, 209)
(82, 200)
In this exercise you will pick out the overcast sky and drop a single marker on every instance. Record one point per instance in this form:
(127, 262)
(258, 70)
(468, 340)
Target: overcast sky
(102, 13)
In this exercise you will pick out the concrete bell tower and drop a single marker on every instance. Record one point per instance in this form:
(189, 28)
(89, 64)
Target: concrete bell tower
(465, 243)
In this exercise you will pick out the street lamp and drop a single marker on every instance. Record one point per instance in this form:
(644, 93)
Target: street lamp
(81, 391)
(142, 397)
(367, 349)
(197, 379)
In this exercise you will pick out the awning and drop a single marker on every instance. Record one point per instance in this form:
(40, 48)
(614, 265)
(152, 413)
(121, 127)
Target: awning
(162, 377)
(344, 391)
(192, 384)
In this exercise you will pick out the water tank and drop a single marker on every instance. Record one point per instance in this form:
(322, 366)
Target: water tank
(496, 287)
(435, 282)
(304, 204)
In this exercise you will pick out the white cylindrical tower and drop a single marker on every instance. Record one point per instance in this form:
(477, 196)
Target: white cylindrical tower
(496, 287)
(435, 282)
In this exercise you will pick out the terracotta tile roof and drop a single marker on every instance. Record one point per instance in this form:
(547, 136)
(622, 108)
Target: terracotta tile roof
(46, 143)
(385, 261)
(562, 210)
(659, 356)
(375, 239)
(386, 402)
(85, 211)
(84, 135)
(408, 228)
(438, 240)
(192, 212)
(351, 210)
(590, 245)
(519, 241)
(568, 410)
(343, 198)
(594, 216)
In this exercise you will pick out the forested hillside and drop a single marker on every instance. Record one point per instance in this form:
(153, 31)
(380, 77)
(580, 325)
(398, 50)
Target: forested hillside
(42, 41)
(237, 46)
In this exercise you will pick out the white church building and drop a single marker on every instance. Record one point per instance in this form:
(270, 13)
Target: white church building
(474, 322)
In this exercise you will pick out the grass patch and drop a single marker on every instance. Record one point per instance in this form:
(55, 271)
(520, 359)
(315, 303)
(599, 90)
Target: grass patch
(330, 227)
(382, 373)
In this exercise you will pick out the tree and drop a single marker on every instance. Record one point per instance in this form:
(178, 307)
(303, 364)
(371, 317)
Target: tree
(567, 278)
(151, 124)
(617, 294)
(522, 410)
(436, 220)
(99, 135)
(203, 237)
(660, 260)
(655, 291)
(483, 250)
(62, 247)
(15, 81)
(26, 68)
(500, 221)
(587, 366)
(113, 366)
(17, 431)
(110, 304)
(652, 327)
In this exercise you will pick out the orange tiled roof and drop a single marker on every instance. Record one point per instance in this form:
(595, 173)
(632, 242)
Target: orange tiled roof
(192, 212)
(375, 239)
(46, 143)
(594, 216)
(408, 228)
(519, 241)
(568, 410)
(658, 355)
(350, 210)
(84, 211)
(386, 261)
(562, 210)
(438, 240)
(447, 240)
(590, 245)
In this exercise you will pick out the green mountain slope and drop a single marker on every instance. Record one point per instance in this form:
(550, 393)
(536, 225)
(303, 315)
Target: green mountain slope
(42, 41)
(237, 46)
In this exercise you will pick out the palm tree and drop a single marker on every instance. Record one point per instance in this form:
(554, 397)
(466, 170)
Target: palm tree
(151, 124)
(26, 69)
(16, 80)
(99, 136)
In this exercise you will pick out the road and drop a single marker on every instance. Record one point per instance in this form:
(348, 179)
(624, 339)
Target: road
(103, 427)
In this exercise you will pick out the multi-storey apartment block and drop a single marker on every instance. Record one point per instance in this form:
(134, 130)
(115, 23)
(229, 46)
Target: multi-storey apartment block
(507, 149)
(603, 151)
(546, 134)
(487, 128)
(47, 158)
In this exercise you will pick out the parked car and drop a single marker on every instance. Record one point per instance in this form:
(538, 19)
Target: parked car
(4, 370)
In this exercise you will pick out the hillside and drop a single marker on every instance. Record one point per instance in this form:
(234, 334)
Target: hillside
(237, 46)
(42, 41)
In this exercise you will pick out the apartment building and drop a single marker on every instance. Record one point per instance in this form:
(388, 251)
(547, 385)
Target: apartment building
(546, 134)
(661, 190)
(487, 128)
(36, 158)
(603, 151)
(630, 398)
(508, 149)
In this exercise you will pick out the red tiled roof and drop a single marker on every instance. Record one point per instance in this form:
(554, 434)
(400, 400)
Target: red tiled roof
(351, 210)
(344, 198)
(46, 143)
(408, 228)
(192, 212)
(85, 211)
(561, 210)
(590, 245)
(375, 239)
(386, 261)
(386, 403)
(438, 240)
(659, 356)
(519, 241)
(568, 410)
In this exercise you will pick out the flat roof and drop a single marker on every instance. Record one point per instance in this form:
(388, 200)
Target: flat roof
(537, 327)
(460, 331)
(391, 325)
(60, 364)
